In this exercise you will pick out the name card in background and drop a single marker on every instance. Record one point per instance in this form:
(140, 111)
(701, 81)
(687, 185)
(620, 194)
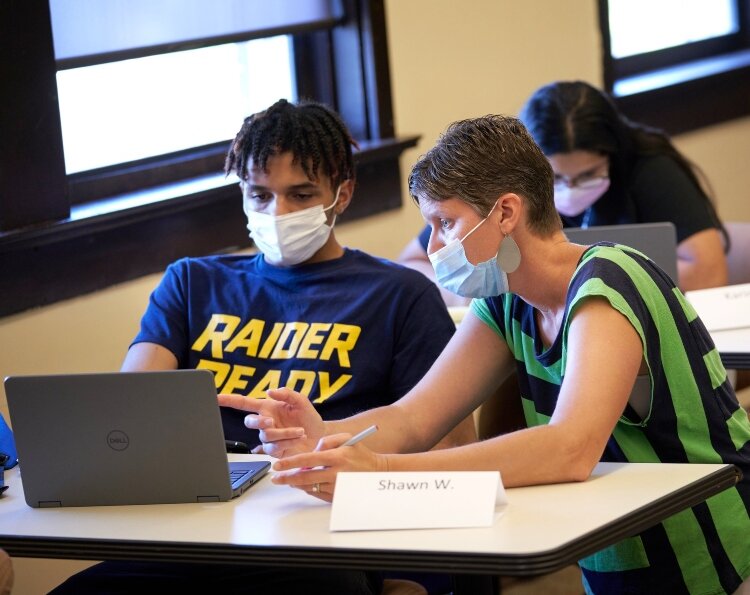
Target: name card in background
(722, 308)
(416, 500)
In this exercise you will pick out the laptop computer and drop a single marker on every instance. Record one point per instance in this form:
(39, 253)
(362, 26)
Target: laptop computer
(658, 241)
(123, 438)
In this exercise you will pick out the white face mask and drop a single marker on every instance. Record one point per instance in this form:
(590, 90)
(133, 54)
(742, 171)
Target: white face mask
(574, 201)
(293, 238)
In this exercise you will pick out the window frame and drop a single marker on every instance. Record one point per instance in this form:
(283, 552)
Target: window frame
(50, 251)
(679, 104)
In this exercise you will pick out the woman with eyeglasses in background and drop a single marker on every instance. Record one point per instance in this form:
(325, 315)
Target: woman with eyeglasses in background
(610, 170)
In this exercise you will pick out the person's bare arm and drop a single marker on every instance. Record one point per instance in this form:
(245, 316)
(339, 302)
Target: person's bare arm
(473, 363)
(143, 357)
(598, 381)
(701, 262)
(464, 433)
(6, 573)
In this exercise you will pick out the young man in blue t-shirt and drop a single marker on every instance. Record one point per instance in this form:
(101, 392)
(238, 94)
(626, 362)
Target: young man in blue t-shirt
(348, 330)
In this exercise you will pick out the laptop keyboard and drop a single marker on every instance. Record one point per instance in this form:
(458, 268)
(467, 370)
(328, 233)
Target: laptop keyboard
(237, 476)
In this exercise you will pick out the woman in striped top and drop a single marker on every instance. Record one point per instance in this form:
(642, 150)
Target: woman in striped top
(614, 365)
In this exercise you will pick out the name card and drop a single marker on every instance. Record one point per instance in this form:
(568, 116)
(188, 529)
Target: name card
(416, 500)
(722, 308)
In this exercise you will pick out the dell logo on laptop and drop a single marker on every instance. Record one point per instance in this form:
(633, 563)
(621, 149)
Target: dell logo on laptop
(118, 440)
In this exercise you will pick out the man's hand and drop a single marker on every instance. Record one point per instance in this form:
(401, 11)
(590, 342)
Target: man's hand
(287, 421)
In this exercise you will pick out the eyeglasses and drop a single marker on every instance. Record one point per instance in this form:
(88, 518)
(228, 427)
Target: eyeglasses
(587, 179)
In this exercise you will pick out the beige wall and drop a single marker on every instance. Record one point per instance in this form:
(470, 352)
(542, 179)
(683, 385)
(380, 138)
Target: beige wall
(722, 152)
(453, 60)
(449, 60)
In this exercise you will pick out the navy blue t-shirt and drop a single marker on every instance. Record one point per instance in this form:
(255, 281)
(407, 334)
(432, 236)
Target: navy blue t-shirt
(424, 237)
(351, 333)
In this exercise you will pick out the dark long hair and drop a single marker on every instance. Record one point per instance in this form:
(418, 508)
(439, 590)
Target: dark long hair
(570, 116)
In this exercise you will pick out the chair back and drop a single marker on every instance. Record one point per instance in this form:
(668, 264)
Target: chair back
(738, 257)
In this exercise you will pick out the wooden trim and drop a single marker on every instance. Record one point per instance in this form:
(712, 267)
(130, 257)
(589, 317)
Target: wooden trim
(668, 57)
(32, 171)
(377, 77)
(692, 105)
(88, 186)
(192, 44)
(689, 105)
(44, 264)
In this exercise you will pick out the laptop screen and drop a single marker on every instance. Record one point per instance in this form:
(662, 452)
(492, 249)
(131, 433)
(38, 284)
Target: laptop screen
(658, 241)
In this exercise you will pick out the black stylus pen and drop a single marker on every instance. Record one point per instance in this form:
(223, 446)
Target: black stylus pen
(237, 447)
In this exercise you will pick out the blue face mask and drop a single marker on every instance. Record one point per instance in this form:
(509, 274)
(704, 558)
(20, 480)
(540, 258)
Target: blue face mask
(455, 273)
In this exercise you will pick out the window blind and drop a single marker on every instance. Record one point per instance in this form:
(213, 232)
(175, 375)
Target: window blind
(88, 32)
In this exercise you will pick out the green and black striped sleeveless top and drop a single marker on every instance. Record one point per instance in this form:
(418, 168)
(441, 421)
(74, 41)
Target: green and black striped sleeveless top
(693, 417)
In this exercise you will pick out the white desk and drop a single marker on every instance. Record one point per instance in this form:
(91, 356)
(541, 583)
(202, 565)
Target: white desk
(543, 529)
(733, 347)
(726, 313)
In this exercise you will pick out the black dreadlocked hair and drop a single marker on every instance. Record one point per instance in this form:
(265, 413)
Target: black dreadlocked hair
(315, 135)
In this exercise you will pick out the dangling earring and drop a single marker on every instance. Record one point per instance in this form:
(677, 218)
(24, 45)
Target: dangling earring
(508, 256)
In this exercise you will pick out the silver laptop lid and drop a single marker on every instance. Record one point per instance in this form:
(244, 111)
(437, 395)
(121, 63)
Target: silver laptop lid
(119, 438)
(658, 241)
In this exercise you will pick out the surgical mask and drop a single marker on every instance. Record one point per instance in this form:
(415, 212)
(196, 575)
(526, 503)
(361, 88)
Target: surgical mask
(455, 273)
(292, 238)
(574, 201)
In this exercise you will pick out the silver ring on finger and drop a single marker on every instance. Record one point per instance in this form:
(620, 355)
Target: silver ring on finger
(316, 488)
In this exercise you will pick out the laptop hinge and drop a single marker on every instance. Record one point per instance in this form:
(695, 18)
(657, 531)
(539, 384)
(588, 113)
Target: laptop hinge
(209, 499)
(50, 504)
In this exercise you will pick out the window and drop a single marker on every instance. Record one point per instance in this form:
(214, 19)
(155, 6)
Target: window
(666, 60)
(698, 20)
(114, 136)
(169, 102)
